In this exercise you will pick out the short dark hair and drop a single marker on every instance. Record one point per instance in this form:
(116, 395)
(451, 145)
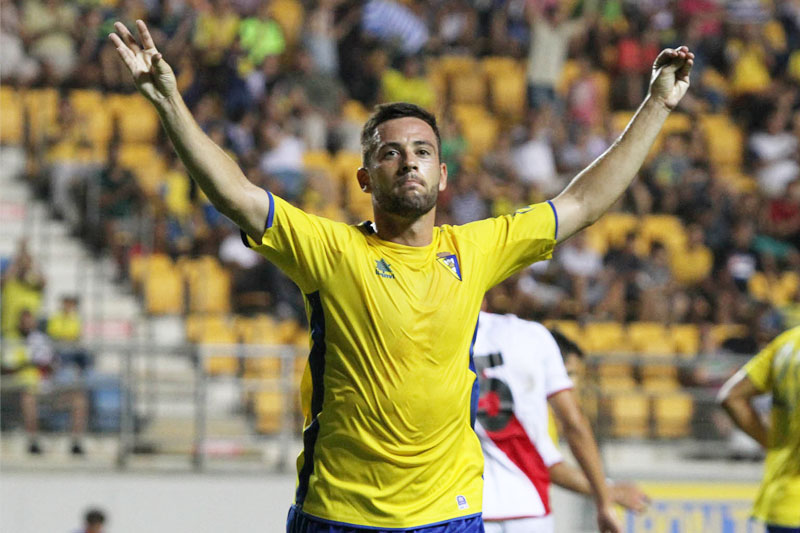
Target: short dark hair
(566, 345)
(384, 112)
(95, 516)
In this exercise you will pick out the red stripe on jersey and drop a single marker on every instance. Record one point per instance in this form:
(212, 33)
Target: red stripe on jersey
(514, 442)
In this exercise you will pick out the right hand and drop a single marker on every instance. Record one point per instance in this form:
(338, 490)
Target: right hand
(151, 74)
(607, 521)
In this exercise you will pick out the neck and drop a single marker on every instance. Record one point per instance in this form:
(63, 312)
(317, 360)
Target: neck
(409, 232)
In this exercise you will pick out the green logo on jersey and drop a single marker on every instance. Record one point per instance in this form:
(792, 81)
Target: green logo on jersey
(383, 269)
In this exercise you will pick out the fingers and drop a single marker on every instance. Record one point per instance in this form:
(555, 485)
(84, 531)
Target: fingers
(674, 56)
(127, 38)
(124, 52)
(144, 33)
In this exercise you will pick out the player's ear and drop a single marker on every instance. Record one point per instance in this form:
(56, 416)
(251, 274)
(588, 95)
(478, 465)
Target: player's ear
(442, 176)
(363, 180)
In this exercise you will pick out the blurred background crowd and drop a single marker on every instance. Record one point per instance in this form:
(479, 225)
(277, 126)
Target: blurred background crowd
(702, 250)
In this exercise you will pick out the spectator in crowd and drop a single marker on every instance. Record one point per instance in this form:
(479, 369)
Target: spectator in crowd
(94, 521)
(22, 289)
(65, 327)
(34, 369)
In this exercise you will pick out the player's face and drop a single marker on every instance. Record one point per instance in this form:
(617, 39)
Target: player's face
(405, 174)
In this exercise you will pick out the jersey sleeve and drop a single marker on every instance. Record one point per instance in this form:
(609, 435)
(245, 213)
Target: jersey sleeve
(509, 243)
(307, 248)
(759, 368)
(555, 378)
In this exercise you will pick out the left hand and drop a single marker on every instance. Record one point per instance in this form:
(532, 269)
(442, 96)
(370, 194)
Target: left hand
(670, 78)
(629, 496)
(607, 520)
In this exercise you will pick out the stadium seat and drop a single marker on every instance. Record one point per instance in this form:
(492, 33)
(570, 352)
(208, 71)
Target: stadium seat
(778, 292)
(722, 332)
(12, 116)
(41, 109)
(494, 66)
(672, 414)
(143, 266)
(615, 226)
(569, 74)
(346, 165)
(660, 384)
(629, 414)
(570, 328)
(468, 87)
(724, 138)
(268, 409)
(146, 164)
(355, 111)
(318, 160)
(605, 337)
(452, 65)
(686, 338)
(209, 284)
(650, 338)
(508, 94)
(164, 292)
(611, 384)
(668, 229)
(101, 124)
(217, 330)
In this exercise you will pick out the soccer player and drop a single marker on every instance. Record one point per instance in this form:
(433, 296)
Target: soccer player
(521, 369)
(776, 370)
(390, 391)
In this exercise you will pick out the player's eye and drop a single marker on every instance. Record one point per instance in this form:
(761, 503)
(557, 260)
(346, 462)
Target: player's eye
(390, 153)
(423, 152)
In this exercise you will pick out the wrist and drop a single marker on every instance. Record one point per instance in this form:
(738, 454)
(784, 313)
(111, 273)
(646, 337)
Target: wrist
(658, 103)
(169, 104)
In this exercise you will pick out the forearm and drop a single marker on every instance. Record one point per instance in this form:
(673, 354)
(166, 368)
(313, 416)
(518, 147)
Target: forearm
(584, 448)
(215, 172)
(594, 190)
(570, 478)
(746, 418)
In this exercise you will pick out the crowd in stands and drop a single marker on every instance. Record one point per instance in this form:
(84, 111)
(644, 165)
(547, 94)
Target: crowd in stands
(528, 92)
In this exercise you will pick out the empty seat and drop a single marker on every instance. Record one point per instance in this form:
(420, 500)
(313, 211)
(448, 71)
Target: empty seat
(209, 284)
(468, 87)
(41, 108)
(667, 229)
(686, 338)
(570, 328)
(289, 14)
(508, 94)
(629, 414)
(672, 414)
(143, 266)
(164, 292)
(605, 337)
(650, 338)
(11, 117)
(219, 339)
(268, 409)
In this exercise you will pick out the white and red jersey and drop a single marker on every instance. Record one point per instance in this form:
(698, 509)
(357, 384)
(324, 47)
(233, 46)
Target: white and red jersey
(519, 366)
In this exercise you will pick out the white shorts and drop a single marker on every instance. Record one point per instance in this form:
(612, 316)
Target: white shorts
(540, 524)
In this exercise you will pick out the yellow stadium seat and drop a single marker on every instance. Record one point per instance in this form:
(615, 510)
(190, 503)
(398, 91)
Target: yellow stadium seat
(223, 360)
(605, 337)
(629, 414)
(289, 14)
(12, 115)
(268, 408)
(164, 292)
(569, 73)
(209, 284)
(779, 291)
(136, 119)
(616, 226)
(722, 332)
(494, 66)
(660, 384)
(266, 367)
(672, 414)
(650, 338)
(355, 111)
(508, 94)
(146, 164)
(143, 266)
(346, 165)
(452, 65)
(725, 140)
(667, 229)
(468, 87)
(570, 328)
(41, 108)
(92, 103)
(611, 384)
(686, 338)
(620, 119)
(677, 123)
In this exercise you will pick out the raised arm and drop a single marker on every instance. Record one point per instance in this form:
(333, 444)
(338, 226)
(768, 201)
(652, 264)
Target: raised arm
(735, 397)
(218, 175)
(595, 189)
(584, 448)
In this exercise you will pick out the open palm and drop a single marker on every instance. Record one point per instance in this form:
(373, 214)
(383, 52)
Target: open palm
(151, 74)
(670, 79)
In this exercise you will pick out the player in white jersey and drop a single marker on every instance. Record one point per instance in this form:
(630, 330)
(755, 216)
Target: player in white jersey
(521, 369)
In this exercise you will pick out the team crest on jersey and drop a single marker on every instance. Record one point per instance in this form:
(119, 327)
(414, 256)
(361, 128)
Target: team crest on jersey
(450, 261)
(461, 501)
(383, 269)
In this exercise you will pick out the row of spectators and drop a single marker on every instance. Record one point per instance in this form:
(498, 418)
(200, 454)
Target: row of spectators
(273, 82)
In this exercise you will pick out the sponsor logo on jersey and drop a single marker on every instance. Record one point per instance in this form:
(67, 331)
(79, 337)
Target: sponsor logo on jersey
(450, 262)
(383, 269)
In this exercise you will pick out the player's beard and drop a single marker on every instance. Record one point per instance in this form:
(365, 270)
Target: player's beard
(406, 205)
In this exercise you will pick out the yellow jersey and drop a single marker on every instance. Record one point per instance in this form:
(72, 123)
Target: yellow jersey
(390, 390)
(776, 369)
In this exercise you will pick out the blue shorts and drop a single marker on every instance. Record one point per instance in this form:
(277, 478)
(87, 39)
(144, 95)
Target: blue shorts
(782, 529)
(299, 522)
